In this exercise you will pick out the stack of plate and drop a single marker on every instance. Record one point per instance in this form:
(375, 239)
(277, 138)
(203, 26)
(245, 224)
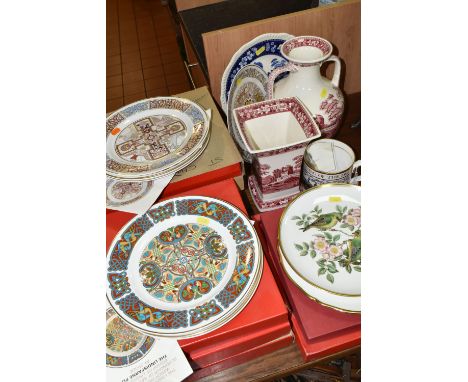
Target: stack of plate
(184, 268)
(319, 241)
(245, 78)
(155, 137)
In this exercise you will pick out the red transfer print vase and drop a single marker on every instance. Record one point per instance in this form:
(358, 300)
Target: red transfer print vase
(321, 96)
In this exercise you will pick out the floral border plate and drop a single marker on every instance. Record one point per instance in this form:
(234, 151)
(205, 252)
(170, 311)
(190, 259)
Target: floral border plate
(152, 135)
(185, 267)
(263, 50)
(124, 344)
(341, 303)
(249, 86)
(319, 235)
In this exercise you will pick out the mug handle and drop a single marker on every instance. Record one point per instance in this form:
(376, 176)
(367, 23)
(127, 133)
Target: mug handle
(289, 67)
(355, 179)
(337, 71)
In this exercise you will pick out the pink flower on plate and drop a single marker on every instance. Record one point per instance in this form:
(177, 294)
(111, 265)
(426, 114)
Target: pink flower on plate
(334, 251)
(352, 220)
(355, 212)
(320, 244)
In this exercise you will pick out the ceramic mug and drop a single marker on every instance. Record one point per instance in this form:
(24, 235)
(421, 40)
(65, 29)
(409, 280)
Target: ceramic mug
(329, 161)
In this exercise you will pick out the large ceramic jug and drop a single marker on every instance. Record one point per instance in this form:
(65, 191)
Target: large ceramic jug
(321, 96)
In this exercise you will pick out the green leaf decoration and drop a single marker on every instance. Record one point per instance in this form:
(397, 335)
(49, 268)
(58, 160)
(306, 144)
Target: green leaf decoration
(328, 235)
(344, 225)
(330, 278)
(345, 209)
(303, 253)
(313, 253)
(332, 268)
(299, 247)
(348, 268)
(357, 268)
(299, 223)
(305, 245)
(336, 237)
(322, 271)
(321, 262)
(295, 218)
(338, 208)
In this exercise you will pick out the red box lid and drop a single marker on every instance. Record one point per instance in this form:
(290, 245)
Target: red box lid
(217, 352)
(243, 357)
(324, 346)
(315, 320)
(251, 318)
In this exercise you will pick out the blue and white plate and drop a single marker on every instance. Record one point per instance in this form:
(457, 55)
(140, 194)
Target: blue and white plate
(263, 51)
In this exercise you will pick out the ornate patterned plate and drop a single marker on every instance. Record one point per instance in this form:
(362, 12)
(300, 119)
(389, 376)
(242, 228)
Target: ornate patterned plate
(320, 237)
(249, 86)
(184, 268)
(263, 51)
(120, 193)
(152, 135)
(341, 303)
(124, 344)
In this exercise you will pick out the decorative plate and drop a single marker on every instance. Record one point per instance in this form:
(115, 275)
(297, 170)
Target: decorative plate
(263, 51)
(185, 267)
(341, 303)
(152, 135)
(120, 193)
(249, 86)
(124, 344)
(320, 237)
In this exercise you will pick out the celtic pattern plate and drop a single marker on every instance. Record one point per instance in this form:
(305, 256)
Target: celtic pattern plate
(120, 193)
(183, 268)
(124, 344)
(263, 51)
(152, 135)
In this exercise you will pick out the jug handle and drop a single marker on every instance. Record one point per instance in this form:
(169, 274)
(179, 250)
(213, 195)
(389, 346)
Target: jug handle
(289, 67)
(337, 72)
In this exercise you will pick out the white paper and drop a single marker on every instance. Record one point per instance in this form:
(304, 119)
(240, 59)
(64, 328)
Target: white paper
(135, 197)
(163, 362)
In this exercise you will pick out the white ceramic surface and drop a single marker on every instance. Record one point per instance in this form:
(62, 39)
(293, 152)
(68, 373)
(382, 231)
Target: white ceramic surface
(329, 161)
(320, 237)
(323, 98)
(350, 304)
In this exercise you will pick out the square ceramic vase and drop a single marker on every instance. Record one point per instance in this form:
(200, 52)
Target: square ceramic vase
(276, 133)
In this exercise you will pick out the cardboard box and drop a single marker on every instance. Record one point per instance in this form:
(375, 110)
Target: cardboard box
(220, 160)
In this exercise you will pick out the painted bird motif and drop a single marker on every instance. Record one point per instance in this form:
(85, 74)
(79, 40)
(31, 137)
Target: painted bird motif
(324, 222)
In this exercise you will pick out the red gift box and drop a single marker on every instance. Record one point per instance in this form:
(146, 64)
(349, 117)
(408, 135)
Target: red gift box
(251, 322)
(243, 357)
(324, 346)
(211, 354)
(321, 327)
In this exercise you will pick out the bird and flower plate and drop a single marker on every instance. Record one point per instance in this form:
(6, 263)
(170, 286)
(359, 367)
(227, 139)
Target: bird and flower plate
(319, 238)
